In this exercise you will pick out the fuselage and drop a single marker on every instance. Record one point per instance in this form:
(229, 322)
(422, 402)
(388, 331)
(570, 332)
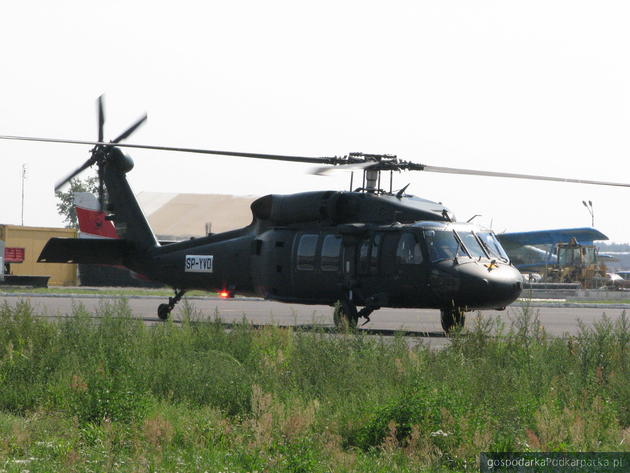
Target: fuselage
(423, 264)
(371, 249)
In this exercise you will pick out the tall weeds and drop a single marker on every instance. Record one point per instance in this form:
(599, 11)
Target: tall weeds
(112, 392)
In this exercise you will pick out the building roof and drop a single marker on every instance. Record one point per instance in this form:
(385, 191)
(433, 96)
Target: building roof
(185, 215)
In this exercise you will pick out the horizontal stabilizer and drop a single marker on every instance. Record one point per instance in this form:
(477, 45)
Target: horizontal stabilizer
(85, 251)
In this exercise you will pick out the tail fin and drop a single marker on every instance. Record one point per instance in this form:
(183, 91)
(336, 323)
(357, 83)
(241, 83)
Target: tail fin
(93, 225)
(92, 221)
(129, 221)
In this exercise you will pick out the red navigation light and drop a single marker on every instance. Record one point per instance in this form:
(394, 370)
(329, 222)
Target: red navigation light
(224, 294)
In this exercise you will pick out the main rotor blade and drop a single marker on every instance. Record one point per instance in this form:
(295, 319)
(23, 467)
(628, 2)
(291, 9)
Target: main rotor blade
(277, 157)
(327, 170)
(130, 130)
(475, 172)
(313, 160)
(70, 176)
(101, 118)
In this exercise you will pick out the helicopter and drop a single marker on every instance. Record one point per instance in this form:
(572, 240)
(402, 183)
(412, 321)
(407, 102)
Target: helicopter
(357, 250)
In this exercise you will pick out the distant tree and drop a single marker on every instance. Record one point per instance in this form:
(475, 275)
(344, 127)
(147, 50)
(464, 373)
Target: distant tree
(65, 200)
(613, 246)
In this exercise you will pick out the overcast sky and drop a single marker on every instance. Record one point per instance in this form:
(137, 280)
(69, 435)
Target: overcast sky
(538, 87)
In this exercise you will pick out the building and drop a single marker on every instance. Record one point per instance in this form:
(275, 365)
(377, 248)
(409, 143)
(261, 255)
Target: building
(179, 216)
(23, 245)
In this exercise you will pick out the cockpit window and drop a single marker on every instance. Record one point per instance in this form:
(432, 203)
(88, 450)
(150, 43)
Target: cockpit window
(443, 244)
(472, 244)
(492, 245)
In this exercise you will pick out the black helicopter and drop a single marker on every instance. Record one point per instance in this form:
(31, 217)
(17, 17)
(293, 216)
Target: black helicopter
(366, 247)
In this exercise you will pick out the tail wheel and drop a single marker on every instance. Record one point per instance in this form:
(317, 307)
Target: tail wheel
(451, 318)
(163, 311)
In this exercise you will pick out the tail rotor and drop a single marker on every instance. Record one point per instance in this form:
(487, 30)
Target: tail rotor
(101, 152)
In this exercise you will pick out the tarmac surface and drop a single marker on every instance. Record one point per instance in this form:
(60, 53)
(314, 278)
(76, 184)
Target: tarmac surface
(558, 319)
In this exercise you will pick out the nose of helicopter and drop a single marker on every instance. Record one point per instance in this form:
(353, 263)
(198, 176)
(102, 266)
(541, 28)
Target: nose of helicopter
(489, 285)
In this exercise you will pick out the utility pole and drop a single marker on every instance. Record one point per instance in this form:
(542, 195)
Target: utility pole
(589, 207)
(23, 179)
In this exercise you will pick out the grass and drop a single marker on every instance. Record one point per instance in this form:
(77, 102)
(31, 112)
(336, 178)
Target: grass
(599, 301)
(116, 395)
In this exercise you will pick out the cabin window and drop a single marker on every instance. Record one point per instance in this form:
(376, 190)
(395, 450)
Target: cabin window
(570, 257)
(443, 244)
(472, 244)
(408, 251)
(331, 253)
(306, 252)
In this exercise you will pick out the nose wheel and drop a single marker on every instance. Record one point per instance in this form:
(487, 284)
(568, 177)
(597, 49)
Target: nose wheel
(164, 310)
(451, 318)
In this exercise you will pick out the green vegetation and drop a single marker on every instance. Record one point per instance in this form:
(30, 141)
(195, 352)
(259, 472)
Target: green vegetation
(598, 301)
(116, 395)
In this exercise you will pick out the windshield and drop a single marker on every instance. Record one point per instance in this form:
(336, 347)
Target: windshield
(492, 245)
(590, 255)
(443, 244)
(472, 244)
(570, 256)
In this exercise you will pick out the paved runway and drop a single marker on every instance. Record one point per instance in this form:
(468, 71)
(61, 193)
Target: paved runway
(557, 321)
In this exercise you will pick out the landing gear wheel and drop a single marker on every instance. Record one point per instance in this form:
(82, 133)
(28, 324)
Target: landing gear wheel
(451, 318)
(163, 311)
(344, 316)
